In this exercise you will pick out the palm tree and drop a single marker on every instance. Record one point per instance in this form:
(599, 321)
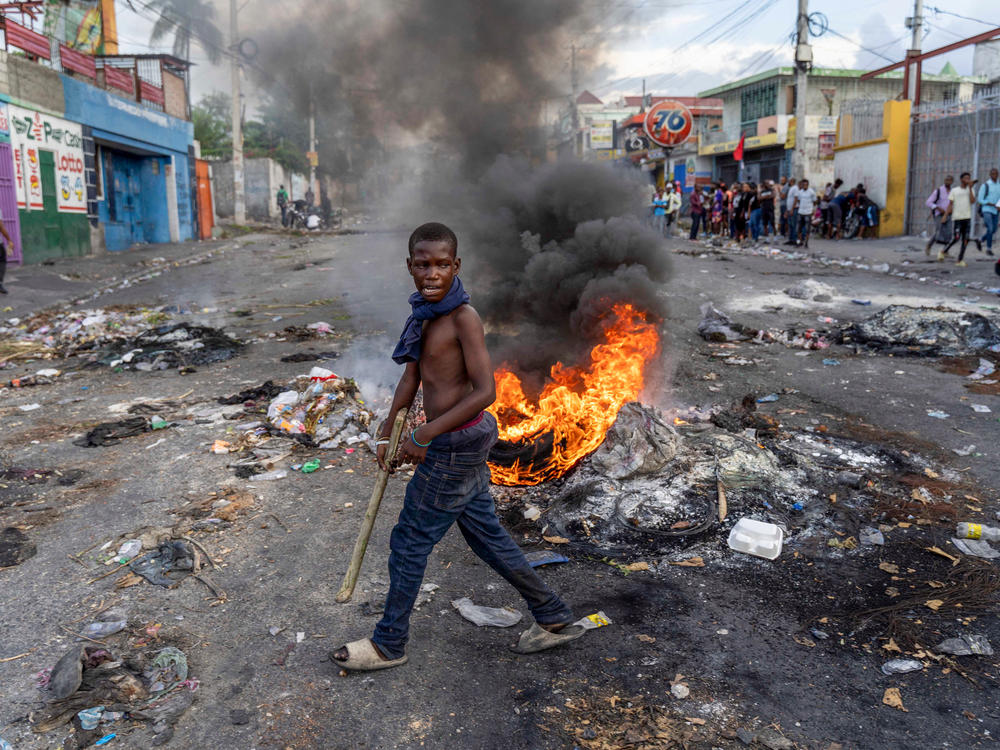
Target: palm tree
(187, 18)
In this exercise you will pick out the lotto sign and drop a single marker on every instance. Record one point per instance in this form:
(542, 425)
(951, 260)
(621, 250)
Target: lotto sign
(31, 132)
(668, 123)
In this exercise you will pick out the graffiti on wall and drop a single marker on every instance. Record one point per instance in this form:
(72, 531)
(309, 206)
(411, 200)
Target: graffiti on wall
(32, 132)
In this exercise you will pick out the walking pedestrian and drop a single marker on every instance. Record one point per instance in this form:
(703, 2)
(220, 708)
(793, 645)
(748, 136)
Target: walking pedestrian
(961, 199)
(282, 198)
(7, 247)
(697, 212)
(781, 197)
(755, 212)
(791, 216)
(988, 199)
(718, 210)
(673, 208)
(444, 350)
(659, 210)
(804, 207)
(838, 205)
(767, 207)
(937, 202)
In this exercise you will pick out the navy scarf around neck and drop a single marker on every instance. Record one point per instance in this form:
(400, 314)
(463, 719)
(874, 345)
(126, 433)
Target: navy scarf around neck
(408, 348)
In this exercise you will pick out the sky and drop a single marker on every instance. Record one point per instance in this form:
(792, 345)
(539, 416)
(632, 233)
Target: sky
(657, 40)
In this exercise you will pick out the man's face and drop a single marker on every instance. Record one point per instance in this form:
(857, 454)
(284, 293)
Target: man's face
(948, 181)
(433, 267)
(966, 180)
(804, 184)
(994, 174)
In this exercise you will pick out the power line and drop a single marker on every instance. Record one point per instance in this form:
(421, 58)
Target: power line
(959, 15)
(861, 46)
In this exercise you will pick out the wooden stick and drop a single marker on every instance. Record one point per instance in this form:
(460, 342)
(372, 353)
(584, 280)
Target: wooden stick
(351, 577)
(109, 573)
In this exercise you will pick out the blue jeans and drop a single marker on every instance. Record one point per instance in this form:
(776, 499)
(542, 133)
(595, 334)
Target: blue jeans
(756, 223)
(804, 224)
(990, 224)
(453, 485)
(793, 235)
(696, 221)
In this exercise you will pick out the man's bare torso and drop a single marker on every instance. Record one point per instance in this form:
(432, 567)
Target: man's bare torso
(442, 364)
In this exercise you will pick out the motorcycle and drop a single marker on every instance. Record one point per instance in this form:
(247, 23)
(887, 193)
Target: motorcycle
(303, 216)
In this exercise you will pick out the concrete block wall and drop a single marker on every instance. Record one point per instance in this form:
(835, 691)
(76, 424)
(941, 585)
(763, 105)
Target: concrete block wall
(31, 83)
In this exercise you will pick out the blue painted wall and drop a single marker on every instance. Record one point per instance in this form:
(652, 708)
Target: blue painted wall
(141, 213)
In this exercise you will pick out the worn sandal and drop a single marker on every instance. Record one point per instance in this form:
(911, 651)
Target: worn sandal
(536, 638)
(362, 656)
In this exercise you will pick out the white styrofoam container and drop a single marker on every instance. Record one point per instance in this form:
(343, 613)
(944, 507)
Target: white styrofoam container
(756, 538)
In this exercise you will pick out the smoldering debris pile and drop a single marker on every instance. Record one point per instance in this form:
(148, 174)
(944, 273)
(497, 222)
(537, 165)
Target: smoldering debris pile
(716, 326)
(935, 331)
(138, 339)
(651, 481)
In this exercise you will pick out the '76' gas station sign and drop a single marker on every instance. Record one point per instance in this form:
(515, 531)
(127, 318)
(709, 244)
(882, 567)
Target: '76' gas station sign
(668, 123)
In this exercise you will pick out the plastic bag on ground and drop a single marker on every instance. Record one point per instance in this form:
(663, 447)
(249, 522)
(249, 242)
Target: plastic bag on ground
(492, 616)
(715, 325)
(639, 442)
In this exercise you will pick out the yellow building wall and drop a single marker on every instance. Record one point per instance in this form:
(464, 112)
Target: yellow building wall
(896, 130)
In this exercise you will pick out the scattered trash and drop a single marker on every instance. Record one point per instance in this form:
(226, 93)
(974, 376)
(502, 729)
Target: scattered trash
(926, 330)
(109, 433)
(968, 530)
(985, 369)
(310, 466)
(594, 621)
(831, 362)
(531, 513)
(324, 410)
(29, 407)
(492, 616)
(542, 557)
(4, 745)
(901, 666)
(170, 556)
(865, 302)
(937, 414)
(309, 356)
(221, 447)
(965, 645)
(90, 717)
(715, 325)
(15, 547)
(980, 408)
(756, 538)
(639, 442)
(975, 548)
(270, 476)
(103, 629)
(159, 424)
(105, 739)
(771, 397)
(966, 451)
(680, 691)
(810, 289)
(264, 392)
(871, 536)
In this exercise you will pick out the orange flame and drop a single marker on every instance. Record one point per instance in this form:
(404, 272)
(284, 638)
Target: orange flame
(578, 404)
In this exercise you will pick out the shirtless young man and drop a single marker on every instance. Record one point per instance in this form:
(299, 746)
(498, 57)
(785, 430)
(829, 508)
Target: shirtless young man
(444, 348)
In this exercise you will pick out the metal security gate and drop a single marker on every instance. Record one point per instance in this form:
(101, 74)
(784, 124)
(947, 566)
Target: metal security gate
(8, 201)
(948, 138)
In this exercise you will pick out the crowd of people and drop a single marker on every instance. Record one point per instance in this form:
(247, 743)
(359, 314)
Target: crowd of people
(748, 210)
(951, 208)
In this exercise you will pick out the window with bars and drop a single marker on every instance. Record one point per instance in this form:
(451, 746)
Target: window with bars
(760, 100)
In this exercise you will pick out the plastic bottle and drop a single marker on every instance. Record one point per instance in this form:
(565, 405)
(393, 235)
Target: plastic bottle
(103, 628)
(270, 475)
(978, 531)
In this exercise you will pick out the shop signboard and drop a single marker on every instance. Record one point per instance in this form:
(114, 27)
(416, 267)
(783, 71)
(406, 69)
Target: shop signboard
(602, 135)
(31, 132)
(668, 123)
(826, 143)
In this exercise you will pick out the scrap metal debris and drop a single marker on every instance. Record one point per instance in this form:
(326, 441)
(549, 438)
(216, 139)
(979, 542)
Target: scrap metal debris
(930, 331)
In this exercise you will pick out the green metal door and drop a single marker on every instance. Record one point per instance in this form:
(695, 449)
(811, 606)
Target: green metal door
(51, 224)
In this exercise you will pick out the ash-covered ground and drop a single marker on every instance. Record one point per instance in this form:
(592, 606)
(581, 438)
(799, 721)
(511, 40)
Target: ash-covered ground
(784, 653)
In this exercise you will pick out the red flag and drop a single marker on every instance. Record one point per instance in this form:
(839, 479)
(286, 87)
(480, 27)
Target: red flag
(738, 153)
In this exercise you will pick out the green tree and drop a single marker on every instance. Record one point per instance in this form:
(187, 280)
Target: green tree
(186, 19)
(213, 126)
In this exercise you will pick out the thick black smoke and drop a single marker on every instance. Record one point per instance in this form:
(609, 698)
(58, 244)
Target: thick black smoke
(455, 93)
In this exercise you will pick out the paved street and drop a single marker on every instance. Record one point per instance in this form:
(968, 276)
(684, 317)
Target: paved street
(736, 629)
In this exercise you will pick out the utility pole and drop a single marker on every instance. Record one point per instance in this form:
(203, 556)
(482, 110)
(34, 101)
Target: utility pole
(803, 62)
(916, 23)
(576, 113)
(312, 140)
(239, 193)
